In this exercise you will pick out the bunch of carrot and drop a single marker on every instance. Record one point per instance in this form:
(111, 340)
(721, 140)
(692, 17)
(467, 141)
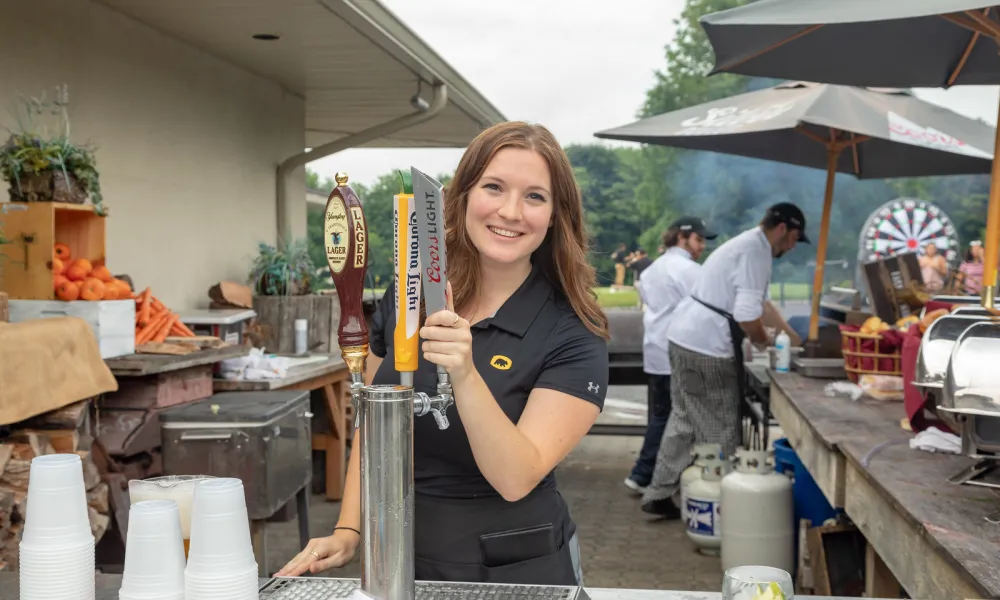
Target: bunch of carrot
(154, 321)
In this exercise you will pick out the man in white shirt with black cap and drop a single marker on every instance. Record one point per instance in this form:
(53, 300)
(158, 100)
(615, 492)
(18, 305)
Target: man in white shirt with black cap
(706, 336)
(664, 284)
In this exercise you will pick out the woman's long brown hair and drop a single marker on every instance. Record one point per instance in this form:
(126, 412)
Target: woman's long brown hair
(562, 255)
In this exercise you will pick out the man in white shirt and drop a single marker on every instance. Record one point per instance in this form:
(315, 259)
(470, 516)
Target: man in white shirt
(706, 336)
(663, 285)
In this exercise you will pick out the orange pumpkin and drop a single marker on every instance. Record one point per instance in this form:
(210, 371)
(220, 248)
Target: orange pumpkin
(111, 292)
(92, 289)
(76, 272)
(102, 273)
(68, 291)
(62, 252)
(84, 264)
(58, 280)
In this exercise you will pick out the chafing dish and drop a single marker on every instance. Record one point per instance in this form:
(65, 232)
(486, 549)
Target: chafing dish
(322, 588)
(972, 379)
(936, 347)
(970, 398)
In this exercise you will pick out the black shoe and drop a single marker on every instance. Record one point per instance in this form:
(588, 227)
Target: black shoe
(664, 508)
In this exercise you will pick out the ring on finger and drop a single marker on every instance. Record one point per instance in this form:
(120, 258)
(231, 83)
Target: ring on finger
(455, 322)
(314, 553)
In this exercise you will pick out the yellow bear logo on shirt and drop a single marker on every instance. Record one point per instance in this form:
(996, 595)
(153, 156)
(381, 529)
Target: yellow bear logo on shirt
(500, 362)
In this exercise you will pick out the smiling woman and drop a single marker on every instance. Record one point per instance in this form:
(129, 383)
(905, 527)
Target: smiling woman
(524, 342)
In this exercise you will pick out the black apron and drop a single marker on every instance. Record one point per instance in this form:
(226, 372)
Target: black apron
(491, 540)
(737, 335)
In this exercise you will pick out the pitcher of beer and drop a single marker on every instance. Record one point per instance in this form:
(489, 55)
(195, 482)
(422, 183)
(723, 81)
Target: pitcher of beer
(179, 488)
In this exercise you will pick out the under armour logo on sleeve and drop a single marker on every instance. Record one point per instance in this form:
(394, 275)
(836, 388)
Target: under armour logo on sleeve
(593, 387)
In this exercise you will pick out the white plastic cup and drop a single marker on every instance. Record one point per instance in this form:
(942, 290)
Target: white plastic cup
(53, 573)
(154, 552)
(237, 585)
(220, 529)
(57, 502)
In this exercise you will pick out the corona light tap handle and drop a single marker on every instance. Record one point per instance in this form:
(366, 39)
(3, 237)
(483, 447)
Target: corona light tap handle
(345, 234)
(406, 257)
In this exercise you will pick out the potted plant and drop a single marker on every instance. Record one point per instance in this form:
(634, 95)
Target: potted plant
(284, 271)
(282, 280)
(40, 163)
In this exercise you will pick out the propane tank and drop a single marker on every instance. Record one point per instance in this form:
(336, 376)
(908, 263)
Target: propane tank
(759, 527)
(701, 453)
(703, 507)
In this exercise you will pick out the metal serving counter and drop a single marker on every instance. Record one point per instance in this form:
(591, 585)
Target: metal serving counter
(107, 589)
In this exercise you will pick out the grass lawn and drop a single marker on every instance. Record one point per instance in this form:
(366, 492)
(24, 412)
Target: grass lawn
(629, 297)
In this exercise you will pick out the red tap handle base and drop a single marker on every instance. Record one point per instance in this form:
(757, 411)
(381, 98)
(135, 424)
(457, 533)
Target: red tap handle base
(345, 235)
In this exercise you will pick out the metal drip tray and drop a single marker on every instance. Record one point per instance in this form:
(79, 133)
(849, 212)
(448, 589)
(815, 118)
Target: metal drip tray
(316, 588)
(936, 346)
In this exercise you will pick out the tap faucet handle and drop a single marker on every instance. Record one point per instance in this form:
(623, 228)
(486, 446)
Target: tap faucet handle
(440, 417)
(356, 386)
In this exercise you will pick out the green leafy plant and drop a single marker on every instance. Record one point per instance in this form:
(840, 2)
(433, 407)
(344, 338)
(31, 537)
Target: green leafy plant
(39, 156)
(284, 271)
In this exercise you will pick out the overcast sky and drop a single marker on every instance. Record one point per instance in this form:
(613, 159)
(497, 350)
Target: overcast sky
(575, 66)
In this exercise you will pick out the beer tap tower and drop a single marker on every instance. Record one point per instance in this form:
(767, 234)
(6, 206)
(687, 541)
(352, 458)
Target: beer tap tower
(385, 413)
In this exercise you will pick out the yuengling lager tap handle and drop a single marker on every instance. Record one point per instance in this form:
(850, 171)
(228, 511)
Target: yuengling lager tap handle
(345, 235)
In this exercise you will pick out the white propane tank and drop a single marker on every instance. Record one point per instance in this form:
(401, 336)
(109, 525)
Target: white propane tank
(704, 507)
(759, 528)
(701, 453)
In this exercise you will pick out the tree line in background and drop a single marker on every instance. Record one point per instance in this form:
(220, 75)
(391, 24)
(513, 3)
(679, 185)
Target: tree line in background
(631, 195)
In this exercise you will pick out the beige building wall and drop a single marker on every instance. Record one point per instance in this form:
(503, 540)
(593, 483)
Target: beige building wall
(187, 145)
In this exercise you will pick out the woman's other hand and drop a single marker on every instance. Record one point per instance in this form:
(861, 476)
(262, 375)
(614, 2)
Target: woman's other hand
(448, 341)
(323, 553)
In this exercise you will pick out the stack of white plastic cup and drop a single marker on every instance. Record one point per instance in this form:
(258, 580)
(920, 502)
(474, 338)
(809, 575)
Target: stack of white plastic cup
(221, 565)
(154, 553)
(57, 547)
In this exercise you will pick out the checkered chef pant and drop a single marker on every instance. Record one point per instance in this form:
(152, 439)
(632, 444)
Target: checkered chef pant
(706, 410)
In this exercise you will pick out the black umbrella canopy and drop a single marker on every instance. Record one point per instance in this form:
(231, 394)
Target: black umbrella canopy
(903, 43)
(883, 132)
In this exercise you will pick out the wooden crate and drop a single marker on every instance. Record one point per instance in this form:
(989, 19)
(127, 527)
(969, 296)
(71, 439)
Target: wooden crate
(112, 321)
(26, 274)
(161, 390)
(276, 317)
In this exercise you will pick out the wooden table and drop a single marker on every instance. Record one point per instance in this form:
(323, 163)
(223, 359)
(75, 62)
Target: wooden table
(137, 365)
(332, 377)
(930, 536)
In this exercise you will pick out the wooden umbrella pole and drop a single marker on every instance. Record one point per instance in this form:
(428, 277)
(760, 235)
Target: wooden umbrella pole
(832, 155)
(991, 245)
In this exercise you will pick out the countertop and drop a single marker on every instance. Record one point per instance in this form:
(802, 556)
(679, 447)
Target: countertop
(107, 589)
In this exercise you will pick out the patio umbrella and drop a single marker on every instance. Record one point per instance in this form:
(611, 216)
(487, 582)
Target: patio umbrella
(869, 133)
(919, 43)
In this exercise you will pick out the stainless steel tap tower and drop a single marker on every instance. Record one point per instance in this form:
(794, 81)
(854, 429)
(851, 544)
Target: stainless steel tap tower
(385, 413)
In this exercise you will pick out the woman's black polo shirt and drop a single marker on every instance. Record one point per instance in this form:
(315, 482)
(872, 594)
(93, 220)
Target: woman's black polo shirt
(534, 340)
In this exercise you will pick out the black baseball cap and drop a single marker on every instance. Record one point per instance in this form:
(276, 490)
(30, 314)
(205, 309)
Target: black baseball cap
(790, 215)
(694, 225)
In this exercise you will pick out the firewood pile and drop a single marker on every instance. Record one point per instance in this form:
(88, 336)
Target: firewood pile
(61, 431)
